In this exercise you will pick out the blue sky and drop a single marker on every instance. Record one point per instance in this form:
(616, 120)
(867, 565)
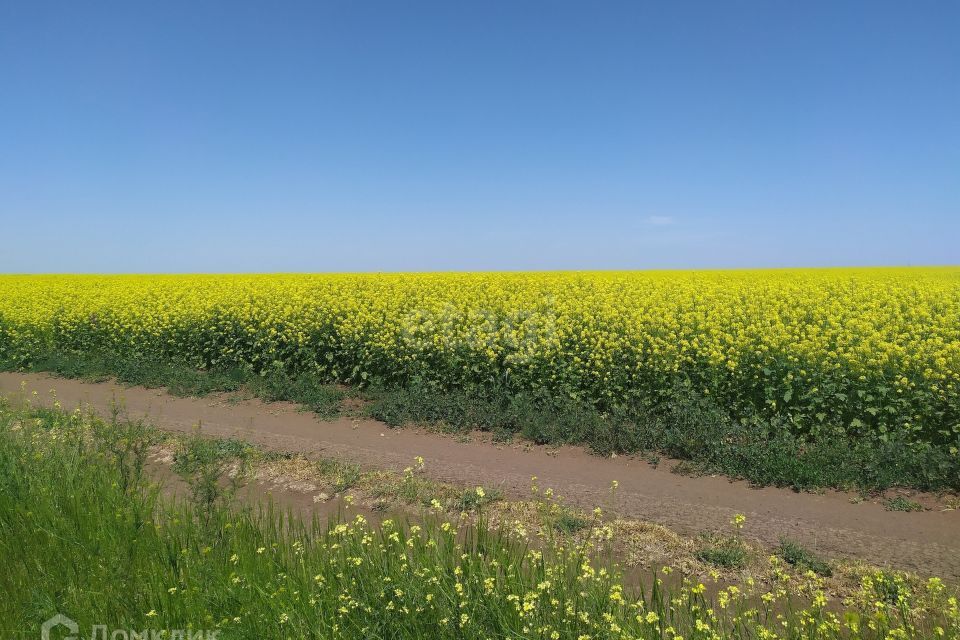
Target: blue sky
(500, 135)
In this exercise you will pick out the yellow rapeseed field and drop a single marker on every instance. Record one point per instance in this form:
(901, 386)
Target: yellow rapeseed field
(848, 349)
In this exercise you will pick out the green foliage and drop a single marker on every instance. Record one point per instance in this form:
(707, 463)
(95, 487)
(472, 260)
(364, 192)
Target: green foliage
(889, 588)
(684, 425)
(728, 552)
(204, 465)
(179, 378)
(473, 499)
(899, 503)
(570, 523)
(184, 380)
(799, 556)
(342, 475)
(306, 389)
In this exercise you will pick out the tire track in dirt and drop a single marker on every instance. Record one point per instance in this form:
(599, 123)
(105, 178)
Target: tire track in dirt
(926, 542)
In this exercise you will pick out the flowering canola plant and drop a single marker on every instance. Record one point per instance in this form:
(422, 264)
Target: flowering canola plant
(852, 351)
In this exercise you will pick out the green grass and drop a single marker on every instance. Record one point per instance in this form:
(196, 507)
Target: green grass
(87, 534)
(687, 427)
(728, 552)
(797, 555)
(307, 390)
(344, 475)
(180, 379)
(899, 503)
(683, 425)
(474, 499)
(183, 380)
(570, 523)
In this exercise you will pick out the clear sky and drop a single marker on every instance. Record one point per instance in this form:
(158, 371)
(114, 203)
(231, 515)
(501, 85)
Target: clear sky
(455, 135)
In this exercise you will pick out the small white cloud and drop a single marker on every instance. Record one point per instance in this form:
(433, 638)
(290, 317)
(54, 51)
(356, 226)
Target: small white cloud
(660, 221)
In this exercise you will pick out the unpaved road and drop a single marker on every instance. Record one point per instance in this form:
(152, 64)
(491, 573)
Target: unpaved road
(927, 542)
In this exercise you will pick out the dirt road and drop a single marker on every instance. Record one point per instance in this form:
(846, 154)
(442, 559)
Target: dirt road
(927, 542)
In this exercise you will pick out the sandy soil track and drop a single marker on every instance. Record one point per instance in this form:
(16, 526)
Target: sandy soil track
(927, 542)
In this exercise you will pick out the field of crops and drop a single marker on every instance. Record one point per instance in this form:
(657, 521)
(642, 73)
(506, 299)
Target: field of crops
(851, 351)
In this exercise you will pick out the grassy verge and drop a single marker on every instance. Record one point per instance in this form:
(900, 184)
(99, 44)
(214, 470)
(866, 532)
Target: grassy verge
(86, 534)
(638, 545)
(182, 380)
(686, 426)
